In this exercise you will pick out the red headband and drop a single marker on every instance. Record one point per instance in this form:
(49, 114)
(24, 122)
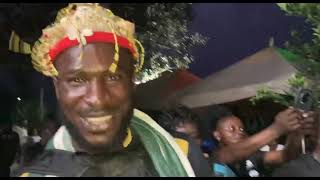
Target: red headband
(106, 37)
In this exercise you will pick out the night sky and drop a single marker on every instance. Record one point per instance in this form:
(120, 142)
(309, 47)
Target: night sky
(235, 31)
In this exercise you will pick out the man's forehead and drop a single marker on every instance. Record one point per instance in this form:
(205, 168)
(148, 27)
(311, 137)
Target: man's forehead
(92, 58)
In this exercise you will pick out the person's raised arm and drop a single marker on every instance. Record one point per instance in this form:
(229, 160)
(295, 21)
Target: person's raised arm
(293, 146)
(285, 122)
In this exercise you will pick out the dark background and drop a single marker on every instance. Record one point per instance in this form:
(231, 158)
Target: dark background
(236, 30)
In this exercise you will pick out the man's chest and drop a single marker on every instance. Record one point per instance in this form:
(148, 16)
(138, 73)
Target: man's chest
(122, 164)
(65, 164)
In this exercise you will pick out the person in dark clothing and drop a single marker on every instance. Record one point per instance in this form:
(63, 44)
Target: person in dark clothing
(181, 119)
(47, 130)
(9, 141)
(181, 122)
(306, 165)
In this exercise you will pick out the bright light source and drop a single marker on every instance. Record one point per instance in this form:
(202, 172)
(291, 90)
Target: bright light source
(18, 98)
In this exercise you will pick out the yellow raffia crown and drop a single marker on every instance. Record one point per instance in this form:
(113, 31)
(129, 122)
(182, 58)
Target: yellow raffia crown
(76, 21)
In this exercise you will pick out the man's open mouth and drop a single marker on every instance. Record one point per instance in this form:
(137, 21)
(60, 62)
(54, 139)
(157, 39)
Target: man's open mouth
(97, 123)
(98, 120)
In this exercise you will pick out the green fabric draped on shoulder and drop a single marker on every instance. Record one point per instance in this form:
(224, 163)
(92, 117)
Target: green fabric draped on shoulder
(167, 157)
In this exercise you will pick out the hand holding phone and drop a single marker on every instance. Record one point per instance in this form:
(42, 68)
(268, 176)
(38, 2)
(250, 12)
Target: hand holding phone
(304, 101)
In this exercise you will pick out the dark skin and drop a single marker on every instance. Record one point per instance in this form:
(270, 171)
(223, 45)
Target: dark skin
(97, 104)
(233, 138)
(310, 132)
(230, 131)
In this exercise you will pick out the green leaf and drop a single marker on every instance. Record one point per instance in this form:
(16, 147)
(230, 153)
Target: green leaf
(283, 6)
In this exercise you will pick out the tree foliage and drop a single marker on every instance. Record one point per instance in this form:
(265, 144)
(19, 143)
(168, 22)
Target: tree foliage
(307, 53)
(163, 30)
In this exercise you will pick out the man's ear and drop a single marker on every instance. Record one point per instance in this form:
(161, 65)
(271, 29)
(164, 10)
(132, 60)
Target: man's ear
(217, 135)
(55, 83)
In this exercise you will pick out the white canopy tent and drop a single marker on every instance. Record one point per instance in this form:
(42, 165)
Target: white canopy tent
(238, 81)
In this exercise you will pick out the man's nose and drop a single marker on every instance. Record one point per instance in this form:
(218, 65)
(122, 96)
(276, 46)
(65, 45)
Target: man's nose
(96, 94)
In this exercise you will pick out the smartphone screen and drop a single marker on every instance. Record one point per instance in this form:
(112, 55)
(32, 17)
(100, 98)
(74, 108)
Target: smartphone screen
(304, 100)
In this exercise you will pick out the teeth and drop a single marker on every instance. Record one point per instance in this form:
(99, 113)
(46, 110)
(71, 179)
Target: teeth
(97, 120)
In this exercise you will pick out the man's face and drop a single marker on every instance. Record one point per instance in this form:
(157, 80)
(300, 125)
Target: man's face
(191, 130)
(97, 104)
(230, 130)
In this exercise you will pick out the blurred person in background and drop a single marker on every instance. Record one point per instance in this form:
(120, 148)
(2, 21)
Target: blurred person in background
(241, 153)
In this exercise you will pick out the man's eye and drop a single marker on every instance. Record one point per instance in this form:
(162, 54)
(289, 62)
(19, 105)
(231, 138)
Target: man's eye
(78, 80)
(113, 77)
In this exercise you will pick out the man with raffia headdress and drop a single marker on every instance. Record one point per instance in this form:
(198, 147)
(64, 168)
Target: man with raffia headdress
(92, 56)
